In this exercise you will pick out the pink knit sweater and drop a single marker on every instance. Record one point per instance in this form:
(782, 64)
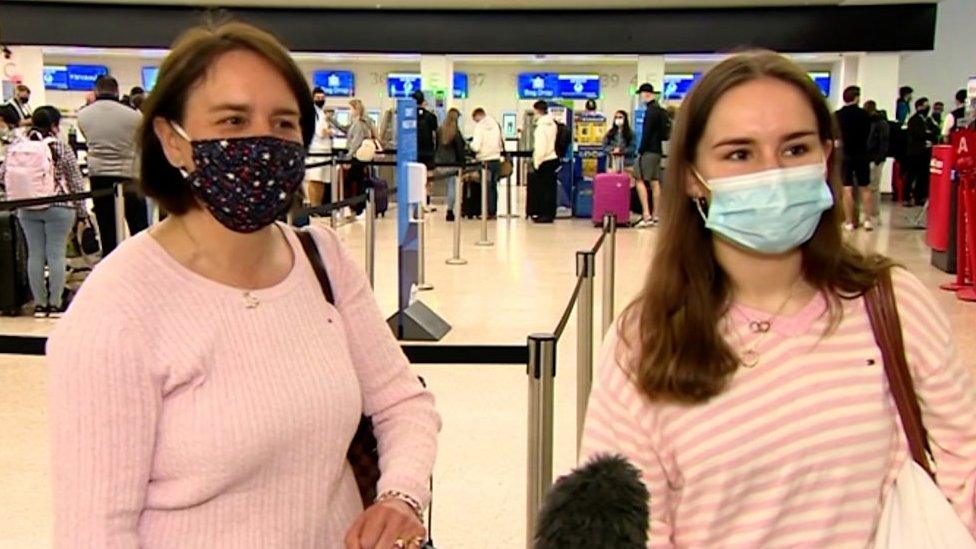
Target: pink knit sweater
(183, 418)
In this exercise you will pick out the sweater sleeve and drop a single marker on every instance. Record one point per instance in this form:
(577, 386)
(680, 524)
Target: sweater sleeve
(614, 426)
(404, 419)
(104, 406)
(945, 390)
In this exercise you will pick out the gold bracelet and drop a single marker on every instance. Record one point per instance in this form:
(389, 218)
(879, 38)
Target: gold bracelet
(396, 495)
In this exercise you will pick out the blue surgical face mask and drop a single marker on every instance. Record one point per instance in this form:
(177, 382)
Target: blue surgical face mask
(769, 212)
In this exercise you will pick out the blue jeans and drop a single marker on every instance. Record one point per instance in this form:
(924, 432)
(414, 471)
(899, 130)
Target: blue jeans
(47, 235)
(494, 170)
(451, 192)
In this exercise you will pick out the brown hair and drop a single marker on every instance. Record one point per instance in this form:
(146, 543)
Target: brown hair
(681, 353)
(192, 56)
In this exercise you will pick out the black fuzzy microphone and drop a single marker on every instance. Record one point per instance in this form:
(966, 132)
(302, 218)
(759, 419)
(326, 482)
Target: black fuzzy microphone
(602, 505)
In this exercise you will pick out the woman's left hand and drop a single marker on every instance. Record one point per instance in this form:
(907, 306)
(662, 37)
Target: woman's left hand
(386, 525)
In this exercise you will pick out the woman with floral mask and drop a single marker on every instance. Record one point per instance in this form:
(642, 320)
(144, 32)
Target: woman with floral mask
(745, 381)
(205, 385)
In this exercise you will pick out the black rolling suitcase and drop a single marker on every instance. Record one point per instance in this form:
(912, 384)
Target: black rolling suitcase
(471, 197)
(14, 285)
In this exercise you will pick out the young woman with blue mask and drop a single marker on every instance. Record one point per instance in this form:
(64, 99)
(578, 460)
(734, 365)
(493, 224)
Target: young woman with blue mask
(745, 381)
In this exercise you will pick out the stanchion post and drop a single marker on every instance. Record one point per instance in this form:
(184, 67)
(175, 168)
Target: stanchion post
(371, 236)
(422, 284)
(458, 195)
(609, 269)
(484, 207)
(334, 190)
(541, 374)
(119, 214)
(584, 342)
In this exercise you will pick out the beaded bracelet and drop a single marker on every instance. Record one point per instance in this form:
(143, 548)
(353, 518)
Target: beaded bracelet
(395, 495)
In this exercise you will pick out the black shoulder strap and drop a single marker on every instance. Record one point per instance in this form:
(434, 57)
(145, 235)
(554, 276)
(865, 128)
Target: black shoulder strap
(315, 258)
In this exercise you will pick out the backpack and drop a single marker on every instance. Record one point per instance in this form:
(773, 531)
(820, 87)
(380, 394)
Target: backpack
(564, 138)
(30, 171)
(665, 126)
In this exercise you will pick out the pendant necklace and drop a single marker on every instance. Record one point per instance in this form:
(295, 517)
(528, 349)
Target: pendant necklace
(749, 357)
(251, 301)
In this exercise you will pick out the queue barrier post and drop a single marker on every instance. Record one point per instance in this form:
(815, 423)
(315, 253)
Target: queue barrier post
(458, 192)
(484, 207)
(609, 270)
(119, 214)
(541, 374)
(371, 236)
(584, 338)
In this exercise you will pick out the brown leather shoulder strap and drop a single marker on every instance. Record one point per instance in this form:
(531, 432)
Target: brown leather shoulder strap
(883, 312)
(315, 258)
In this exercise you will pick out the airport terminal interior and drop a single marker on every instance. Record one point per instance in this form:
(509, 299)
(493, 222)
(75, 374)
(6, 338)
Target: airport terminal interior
(491, 280)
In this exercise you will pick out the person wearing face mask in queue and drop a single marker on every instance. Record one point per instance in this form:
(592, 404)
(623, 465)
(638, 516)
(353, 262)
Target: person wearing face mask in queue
(620, 147)
(923, 132)
(210, 375)
(747, 367)
(20, 103)
(317, 178)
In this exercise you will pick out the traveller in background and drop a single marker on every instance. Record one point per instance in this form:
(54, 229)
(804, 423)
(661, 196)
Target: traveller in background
(46, 228)
(318, 177)
(110, 128)
(648, 168)
(545, 161)
(9, 125)
(855, 123)
(749, 358)
(359, 130)
(590, 106)
(879, 141)
(20, 103)
(620, 143)
(938, 116)
(203, 390)
(903, 106)
(488, 146)
(426, 131)
(451, 149)
(136, 97)
(923, 133)
(954, 119)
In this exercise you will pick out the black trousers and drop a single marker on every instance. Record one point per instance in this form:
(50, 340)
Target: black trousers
(542, 192)
(136, 214)
(917, 182)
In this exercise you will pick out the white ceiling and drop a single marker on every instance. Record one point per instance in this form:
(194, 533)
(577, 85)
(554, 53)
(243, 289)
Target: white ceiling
(509, 4)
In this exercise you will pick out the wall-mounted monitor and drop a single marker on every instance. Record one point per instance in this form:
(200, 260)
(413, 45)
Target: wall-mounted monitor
(72, 77)
(538, 85)
(677, 85)
(335, 83)
(460, 85)
(401, 85)
(579, 86)
(822, 80)
(149, 75)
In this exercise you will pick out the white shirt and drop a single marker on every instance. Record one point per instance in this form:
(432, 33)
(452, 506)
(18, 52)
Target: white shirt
(545, 141)
(322, 140)
(487, 140)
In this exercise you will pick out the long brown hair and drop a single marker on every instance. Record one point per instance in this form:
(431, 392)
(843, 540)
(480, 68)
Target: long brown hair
(681, 353)
(449, 129)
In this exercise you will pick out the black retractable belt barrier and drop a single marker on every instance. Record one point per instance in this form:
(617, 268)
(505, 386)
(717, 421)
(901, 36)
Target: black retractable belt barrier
(417, 354)
(46, 200)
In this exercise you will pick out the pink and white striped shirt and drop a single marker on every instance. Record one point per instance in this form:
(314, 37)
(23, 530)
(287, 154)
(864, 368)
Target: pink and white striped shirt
(801, 449)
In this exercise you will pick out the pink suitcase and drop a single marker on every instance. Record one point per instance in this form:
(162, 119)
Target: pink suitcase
(611, 194)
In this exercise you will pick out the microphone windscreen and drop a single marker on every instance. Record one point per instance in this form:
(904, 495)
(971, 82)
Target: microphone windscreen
(602, 504)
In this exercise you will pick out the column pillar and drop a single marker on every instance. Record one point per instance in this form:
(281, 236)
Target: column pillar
(437, 74)
(650, 68)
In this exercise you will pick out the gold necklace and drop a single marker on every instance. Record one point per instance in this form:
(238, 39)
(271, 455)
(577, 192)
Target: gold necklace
(750, 356)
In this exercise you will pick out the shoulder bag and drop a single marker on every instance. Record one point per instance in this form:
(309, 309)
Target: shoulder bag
(916, 514)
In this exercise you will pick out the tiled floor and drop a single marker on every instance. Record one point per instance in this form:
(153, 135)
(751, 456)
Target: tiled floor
(518, 286)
